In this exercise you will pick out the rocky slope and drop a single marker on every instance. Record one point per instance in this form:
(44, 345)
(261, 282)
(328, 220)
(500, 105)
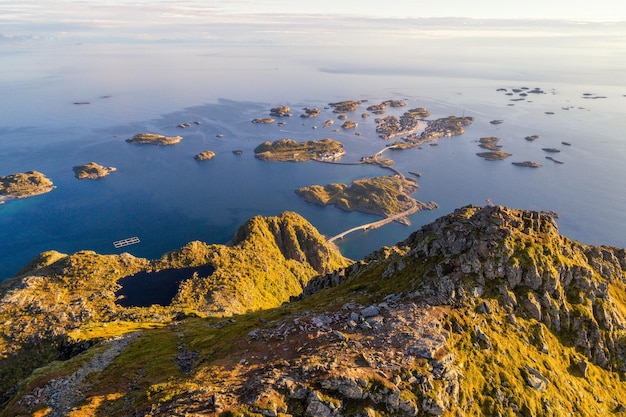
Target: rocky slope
(269, 261)
(487, 311)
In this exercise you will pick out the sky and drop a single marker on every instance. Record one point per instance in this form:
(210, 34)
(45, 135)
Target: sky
(259, 20)
(536, 9)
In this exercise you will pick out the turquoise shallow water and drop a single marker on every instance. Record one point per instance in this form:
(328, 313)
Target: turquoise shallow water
(166, 198)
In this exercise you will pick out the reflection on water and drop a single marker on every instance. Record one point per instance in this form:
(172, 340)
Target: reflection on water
(148, 288)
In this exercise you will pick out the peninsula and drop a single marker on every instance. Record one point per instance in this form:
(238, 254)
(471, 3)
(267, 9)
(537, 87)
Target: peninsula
(154, 139)
(92, 171)
(22, 185)
(290, 150)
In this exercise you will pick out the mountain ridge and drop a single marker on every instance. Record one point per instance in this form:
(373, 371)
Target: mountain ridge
(485, 311)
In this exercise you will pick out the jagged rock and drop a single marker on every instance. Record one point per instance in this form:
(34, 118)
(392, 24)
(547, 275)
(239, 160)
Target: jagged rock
(535, 379)
(485, 307)
(432, 407)
(583, 366)
(532, 306)
(482, 339)
(346, 387)
(316, 407)
(370, 311)
(538, 338)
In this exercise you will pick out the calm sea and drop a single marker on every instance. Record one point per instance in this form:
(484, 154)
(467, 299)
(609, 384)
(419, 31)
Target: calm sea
(166, 198)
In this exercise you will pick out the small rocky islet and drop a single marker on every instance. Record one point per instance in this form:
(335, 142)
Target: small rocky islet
(494, 155)
(92, 171)
(529, 164)
(490, 143)
(154, 139)
(204, 155)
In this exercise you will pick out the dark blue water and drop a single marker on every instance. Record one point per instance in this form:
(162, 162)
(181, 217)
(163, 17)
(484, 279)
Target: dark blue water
(166, 198)
(155, 288)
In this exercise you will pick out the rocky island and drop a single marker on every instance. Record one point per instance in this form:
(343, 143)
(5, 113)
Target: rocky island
(494, 155)
(385, 196)
(204, 156)
(263, 121)
(345, 106)
(490, 142)
(154, 139)
(290, 150)
(22, 185)
(310, 112)
(280, 111)
(92, 171)
(349, 124)
(529, 164)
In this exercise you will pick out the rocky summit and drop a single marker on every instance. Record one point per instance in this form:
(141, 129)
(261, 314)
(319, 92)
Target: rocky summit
(488, 311)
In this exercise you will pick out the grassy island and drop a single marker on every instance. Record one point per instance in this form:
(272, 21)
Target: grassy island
(385, 196)
(290, 150)
(154, 139)
(23, 185)
(92, 171)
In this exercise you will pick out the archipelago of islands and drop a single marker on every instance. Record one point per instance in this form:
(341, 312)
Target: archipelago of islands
(410, 130)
